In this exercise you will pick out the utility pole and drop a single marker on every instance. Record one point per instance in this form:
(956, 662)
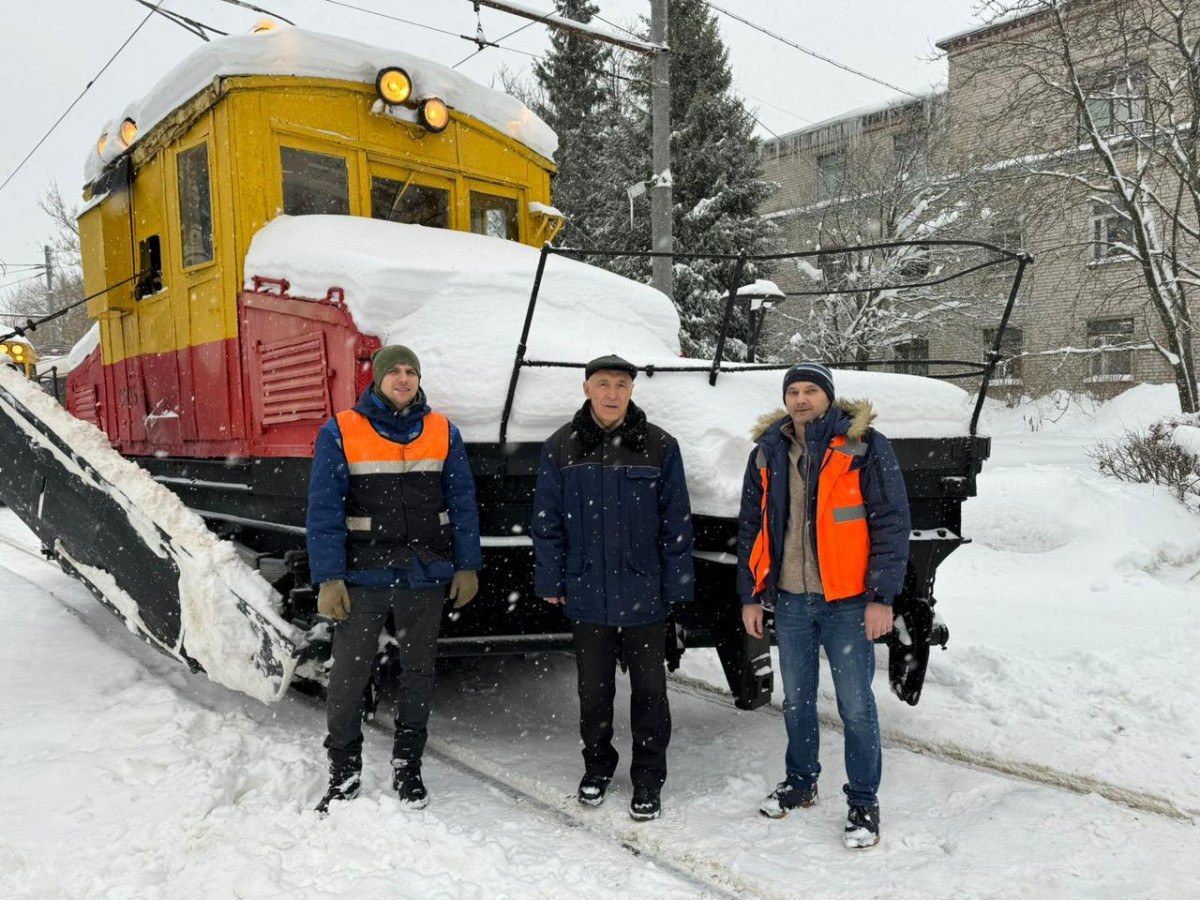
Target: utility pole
(49, 268)
(662, 269)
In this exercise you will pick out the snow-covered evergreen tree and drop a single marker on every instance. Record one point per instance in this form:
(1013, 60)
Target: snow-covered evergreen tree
(716, 173)
(576, 100)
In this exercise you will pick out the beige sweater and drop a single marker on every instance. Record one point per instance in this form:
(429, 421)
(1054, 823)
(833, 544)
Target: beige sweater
(798, 572)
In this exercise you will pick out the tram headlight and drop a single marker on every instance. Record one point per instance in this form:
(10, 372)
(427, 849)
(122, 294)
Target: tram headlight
(393, 85)
(262, 25)
(18, 351)
(434, 114)
(101, 144)
(128, 131)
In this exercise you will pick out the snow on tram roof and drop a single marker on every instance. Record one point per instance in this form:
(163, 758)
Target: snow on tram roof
(459, 300)
(286, 50)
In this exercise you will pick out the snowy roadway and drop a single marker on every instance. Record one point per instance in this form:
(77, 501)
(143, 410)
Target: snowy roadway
(1073, 657)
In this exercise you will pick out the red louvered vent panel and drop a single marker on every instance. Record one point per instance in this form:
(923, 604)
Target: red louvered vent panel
(293, 374)
(84, 401)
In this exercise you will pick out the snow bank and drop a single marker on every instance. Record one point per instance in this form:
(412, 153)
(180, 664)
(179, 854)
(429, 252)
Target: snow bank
(212, 577)
(459, 300)
(294, 51)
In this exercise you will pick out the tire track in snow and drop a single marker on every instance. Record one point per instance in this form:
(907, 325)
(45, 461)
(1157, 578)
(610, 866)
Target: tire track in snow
(1139, 801)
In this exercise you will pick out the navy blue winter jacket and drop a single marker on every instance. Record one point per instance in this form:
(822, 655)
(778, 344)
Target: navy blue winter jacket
(330, 483)
(612, 524)
(883, 491)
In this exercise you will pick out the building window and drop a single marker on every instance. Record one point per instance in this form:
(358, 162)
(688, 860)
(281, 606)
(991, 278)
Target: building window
(494, 216)
(1116, 102)
(909, 152)
(150, 272)
(1012, 346)
(911, 356)
(1111, 341)
(314, 183)
(831, 174)
(1112, 233)
(413, 204)
(195, 206)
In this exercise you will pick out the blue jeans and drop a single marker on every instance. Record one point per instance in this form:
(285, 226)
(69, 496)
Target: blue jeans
(803, 624)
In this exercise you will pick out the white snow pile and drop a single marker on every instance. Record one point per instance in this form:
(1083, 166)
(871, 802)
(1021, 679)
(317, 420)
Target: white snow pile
(212, 577)
(294, 51)
(459, 300)
(83, 347)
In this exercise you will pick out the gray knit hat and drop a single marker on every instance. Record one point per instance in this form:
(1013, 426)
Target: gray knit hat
(813, 372)
(385, 357)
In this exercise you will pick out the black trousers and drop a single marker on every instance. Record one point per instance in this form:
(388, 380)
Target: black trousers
(643, 647)
(418, 617)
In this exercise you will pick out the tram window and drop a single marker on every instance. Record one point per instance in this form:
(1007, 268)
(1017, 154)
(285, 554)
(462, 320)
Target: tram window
(195, 206)
(494, 216)
(314, 183)
(419, 205)
(149, 267)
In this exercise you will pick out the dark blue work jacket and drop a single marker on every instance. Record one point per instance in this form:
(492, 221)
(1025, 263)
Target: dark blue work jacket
(329, 486)
(612, 529)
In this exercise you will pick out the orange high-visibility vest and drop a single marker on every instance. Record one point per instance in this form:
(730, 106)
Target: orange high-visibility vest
(843, 539)
(395, 508)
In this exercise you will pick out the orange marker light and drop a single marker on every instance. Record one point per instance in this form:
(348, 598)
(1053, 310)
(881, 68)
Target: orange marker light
(262, 25)
(434, 115)
(393, 86)
(128, 131)
(101, 144)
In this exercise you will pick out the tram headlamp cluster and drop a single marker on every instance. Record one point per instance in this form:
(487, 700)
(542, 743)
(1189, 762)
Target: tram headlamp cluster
(17, 350)
(395, 88)
(128, 131)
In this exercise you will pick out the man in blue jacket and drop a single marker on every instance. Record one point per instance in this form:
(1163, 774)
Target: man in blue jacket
(391, 521)
(612, 541)
(823, 539)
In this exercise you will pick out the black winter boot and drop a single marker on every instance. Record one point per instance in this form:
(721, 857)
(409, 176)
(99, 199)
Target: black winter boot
(344, 783)
(786, 797)
(592, 789)
(862, 827)
(407, 783)
(646, 804)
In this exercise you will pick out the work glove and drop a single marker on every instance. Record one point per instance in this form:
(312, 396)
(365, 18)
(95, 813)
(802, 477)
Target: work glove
(333, 600)
(463, 588)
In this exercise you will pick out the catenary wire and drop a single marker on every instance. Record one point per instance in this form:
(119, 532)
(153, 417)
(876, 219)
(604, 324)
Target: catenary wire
(58, 121)
(810, 52)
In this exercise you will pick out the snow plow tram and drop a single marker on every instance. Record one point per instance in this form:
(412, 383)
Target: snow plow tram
(279, 206)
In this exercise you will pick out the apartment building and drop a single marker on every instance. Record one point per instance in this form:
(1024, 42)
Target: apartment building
(1003, 155)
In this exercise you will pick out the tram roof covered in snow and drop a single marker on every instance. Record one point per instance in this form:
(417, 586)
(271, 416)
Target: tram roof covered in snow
(459, 300)
(290, 51)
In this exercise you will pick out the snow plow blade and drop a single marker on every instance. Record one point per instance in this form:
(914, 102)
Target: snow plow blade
(144, 555)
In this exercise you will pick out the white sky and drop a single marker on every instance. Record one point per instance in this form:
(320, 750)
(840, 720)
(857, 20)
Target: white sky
(51, 48)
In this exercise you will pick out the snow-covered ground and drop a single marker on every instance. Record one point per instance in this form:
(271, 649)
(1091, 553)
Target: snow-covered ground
(1074, 627)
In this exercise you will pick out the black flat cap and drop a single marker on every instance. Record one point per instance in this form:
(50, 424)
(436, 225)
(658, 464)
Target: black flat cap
(613, 362)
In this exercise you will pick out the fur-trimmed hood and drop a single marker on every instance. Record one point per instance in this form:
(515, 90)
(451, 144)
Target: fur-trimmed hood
(860, 414)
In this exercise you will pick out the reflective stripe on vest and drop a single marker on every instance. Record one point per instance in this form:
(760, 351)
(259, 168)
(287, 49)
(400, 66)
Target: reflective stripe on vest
(843, 539)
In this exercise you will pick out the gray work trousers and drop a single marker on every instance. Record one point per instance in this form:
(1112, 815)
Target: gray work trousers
(418, 617)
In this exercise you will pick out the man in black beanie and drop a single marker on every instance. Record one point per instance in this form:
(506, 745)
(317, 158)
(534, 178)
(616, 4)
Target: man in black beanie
(612, 544)
(391, 521)
(829, 570)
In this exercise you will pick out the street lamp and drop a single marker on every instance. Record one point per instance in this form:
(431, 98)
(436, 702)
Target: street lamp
(763, 296)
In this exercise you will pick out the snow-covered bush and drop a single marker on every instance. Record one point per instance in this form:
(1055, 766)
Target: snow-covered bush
(1167, 453)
